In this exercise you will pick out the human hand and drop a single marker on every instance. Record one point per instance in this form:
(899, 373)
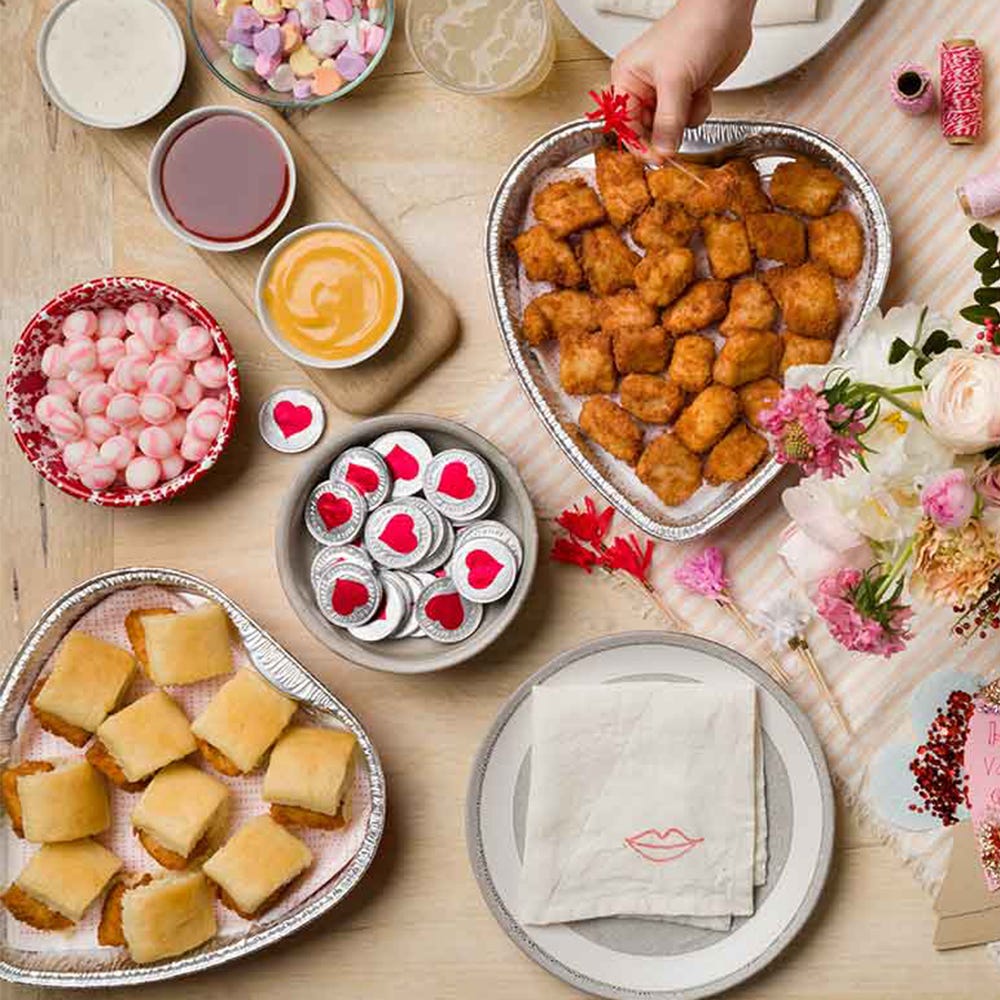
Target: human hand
(672, 67)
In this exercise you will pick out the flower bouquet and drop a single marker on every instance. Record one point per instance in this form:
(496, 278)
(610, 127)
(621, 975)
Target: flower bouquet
(899, 440)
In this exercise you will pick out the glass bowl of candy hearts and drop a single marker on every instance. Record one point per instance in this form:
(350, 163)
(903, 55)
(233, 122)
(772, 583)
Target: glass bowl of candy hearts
(292, 53)
(122, 391)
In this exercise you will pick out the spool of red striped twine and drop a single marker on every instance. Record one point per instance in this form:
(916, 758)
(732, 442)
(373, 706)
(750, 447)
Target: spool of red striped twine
(961, 91)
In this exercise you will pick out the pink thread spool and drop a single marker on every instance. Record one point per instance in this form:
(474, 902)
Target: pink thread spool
(980, 196)
(961, 91)
(911, 88)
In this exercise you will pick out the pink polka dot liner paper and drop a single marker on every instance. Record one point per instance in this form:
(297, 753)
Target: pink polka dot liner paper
(332, 850)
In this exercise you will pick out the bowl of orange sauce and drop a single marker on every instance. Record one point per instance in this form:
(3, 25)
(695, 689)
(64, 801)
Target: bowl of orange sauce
(329, 295)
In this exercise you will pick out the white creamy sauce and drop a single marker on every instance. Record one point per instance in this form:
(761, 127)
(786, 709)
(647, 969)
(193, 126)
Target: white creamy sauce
(114, 62)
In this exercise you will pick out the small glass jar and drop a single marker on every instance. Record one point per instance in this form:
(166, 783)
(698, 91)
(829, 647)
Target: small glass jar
(483, 48)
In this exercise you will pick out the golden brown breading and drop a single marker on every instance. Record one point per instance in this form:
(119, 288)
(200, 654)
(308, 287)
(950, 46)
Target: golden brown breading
(99, 755)
(700, 189)
(703, 304)
(171, 859)
(298, 816)
(556, 313)
(217, 759)
(836, 242)
(24, 907)
(586, 364)
(547, 259)
(565, 207)
(709, 415)
(651, 398)
(621, 181)
(735, 456)
(727, 246)
(52, 723)
(751, 307)
(747, 193)
(691, 364)
(804, 187)
(777, 236)
(662, 275)
(230, 904)
(804, 351)
(8, 789)
(137, 634)
(110, 933)
(746, 356)
(808, 299)
(625, 310)
(670, 470)
(760, 396)
(608, 263)
(664, 226)
(606, 423)
(641, 350)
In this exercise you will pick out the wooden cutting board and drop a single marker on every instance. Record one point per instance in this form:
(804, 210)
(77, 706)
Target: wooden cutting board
(429, 325)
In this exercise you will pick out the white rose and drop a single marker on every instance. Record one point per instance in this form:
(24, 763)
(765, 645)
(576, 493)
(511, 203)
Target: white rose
(962, 402)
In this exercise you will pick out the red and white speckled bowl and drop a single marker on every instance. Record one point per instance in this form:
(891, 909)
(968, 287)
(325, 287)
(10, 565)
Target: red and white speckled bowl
(25, 384)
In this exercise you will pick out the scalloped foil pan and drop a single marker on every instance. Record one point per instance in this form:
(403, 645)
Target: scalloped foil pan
(571, 146)
(73, 970)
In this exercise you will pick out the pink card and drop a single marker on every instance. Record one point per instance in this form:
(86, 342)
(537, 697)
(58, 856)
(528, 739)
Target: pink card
(982, 765)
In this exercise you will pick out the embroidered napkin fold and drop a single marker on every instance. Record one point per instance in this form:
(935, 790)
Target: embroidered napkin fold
(767, 12)
(642, 801)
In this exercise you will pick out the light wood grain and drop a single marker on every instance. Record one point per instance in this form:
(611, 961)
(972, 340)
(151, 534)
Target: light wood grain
(425, 162)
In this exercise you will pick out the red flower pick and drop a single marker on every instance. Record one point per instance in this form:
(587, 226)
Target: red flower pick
(612, 111)
(630, 556)
(568, 550)
(587, 525)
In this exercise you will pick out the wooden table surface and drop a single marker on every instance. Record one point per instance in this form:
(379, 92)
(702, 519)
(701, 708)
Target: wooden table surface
(426, 162)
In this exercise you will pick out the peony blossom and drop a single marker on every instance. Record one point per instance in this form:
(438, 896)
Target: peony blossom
(961, 403)
(859, 617)
(949, 499)
(809, 561)
(954, 566)
(987, 483)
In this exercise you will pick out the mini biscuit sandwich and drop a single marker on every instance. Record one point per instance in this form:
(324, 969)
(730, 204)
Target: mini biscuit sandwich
(186, 647)
(310, 777)
(88, 678)
(53, 802)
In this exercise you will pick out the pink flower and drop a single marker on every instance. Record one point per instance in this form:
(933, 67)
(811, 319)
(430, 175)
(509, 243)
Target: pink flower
(809, 560)
(949, 500)
(809, 432)
(704, 573)
(987, 483)
(859, 617)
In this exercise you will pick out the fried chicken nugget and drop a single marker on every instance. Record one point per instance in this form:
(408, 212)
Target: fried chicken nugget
(662, 275)
(670, 470)
(804, 351)
(33, 912)
(836, 242)
(808, 299)
(547, 259)
(664, 226)
(804, 187)
(709, 415)
(556, 313)
(110, 932)
(652, 398)
(606, 423)
(735, 456)
(639, 350)
(751, 307)
(777, 236)
(746, 356)
(621, 181)
(760, 396)
(608, 263)
(8, 790)
(691, 364)
(625, 310)
(703, 304)
(727, 246)
(747, 193)
(700, 189)
(586, 364)
(566, 207)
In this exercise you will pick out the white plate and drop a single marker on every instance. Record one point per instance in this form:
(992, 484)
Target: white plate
(633, 959)
(776, 50)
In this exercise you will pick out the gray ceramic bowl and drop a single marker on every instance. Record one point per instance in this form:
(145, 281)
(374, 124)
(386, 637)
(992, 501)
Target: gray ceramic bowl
(295, 548)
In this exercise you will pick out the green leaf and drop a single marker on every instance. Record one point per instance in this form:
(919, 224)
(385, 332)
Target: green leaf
(988, 296)
(986, 261)
(991, 277)
(900, 348)
(984, 236)
(979, 314)
(936, 342)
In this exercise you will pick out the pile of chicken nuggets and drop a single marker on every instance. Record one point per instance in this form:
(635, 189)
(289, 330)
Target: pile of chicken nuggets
(643, 327)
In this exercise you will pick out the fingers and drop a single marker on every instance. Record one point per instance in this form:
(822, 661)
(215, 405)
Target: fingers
(701, 107)
(673, 108)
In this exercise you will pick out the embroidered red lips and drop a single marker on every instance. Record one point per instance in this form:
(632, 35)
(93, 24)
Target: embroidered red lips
(660, 846)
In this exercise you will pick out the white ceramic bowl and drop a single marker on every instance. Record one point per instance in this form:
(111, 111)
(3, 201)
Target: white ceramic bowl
(156, 188)
(274, 334)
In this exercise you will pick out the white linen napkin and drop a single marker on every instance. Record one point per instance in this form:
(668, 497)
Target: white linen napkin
(767, 12)
(643, 802)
